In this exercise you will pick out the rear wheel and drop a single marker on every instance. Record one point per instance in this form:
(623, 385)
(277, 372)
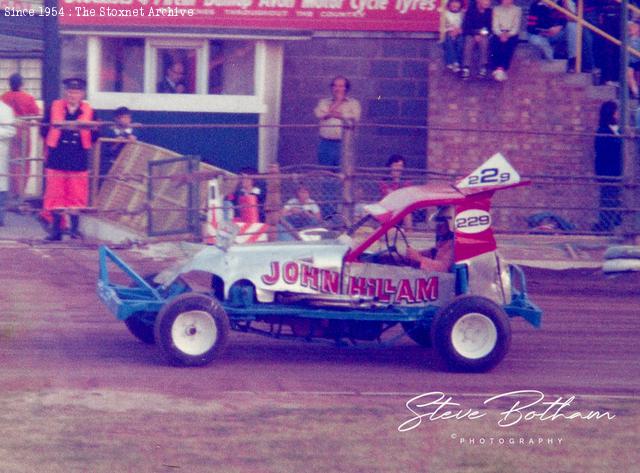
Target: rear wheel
(471, 334)
(192, 329)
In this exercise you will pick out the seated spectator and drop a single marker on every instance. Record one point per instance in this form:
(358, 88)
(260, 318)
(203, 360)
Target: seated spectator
(476, 28)
(505, 25)
(453, 39)
(302, 211)
(634, 61)
(548, 28)
(121, 129)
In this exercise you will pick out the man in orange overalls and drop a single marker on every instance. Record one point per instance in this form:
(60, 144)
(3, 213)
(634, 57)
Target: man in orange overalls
(67, 175)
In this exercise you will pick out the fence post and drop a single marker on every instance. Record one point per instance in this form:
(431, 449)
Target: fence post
(347, 165)
(273, 200)
(96, 157)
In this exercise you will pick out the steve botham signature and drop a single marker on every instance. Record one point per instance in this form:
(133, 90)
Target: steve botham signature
(525, 406)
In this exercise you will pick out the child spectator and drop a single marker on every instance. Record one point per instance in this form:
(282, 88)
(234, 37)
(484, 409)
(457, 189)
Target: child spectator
(453, 38)
(302, 211)
(476, 28)
(121, 129)
(634, 61)
(395, 163)
(248, 199)
(505, 25)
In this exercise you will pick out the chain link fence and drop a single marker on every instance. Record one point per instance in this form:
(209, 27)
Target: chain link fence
(554, 203)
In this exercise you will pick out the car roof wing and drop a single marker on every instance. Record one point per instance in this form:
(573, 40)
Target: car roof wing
(494, 174)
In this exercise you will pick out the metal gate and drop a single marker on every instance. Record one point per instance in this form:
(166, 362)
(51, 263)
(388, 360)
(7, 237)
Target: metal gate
(172, 203)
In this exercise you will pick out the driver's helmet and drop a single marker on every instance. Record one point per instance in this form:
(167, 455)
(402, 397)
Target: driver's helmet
(445, 214)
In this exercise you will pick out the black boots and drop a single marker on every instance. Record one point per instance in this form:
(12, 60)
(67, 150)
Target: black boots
(55, 232)
(75, 223)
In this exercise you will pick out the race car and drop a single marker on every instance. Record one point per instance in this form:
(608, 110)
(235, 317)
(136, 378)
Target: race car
(365, 284)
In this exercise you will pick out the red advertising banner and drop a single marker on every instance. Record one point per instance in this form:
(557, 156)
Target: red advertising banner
(317, 15)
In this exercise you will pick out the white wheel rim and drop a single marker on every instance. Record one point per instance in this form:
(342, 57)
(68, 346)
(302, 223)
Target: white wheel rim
(474, 336)
(194, 332)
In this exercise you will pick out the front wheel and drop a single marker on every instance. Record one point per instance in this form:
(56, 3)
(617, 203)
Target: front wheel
(471, 334)
(140, 324)
(192, 329)
(419, 333)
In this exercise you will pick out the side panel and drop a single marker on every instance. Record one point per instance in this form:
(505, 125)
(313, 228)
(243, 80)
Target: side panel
(485, 278)
(398, 285)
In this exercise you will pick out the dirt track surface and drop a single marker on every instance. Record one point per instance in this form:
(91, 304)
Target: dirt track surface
(79, 393)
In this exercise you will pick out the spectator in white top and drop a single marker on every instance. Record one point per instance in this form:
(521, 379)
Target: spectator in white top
(7, 132)
(335, 114)
(505, 25)
(453, 39)
(302, 211)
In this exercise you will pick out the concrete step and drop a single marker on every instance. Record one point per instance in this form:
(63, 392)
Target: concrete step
(602, 92)
(583, 79)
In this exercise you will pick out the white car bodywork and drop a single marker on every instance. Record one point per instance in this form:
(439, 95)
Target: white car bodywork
(316, 269)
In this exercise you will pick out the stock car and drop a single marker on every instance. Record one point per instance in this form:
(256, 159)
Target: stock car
(355, 287)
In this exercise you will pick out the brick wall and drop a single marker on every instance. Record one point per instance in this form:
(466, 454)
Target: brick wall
(538, 97)
(389, 78)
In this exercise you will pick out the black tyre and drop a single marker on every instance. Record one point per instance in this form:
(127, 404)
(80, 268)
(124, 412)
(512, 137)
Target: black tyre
(140, 324)
(419, 333)
(192, 329)
(472, 333)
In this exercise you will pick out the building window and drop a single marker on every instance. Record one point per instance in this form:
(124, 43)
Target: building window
(122, 68)
(231, 67)
(176, 71)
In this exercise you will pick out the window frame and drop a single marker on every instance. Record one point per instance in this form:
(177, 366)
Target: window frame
(201, 101)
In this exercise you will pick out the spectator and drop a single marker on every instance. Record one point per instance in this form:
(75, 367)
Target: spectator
(248, 199)
(302, 211)
(476, 28)
(121, 129)
(7, 131)
(634, 61)
(23, 105)
(609, 53)
(547, 28)
(67, 177)
(608, 165)
(505, 25)
(335, 113)
(173, 80)
(396, 164)
(453, 39)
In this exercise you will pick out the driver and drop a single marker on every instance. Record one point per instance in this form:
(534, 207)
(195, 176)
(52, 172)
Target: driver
(440, 257)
